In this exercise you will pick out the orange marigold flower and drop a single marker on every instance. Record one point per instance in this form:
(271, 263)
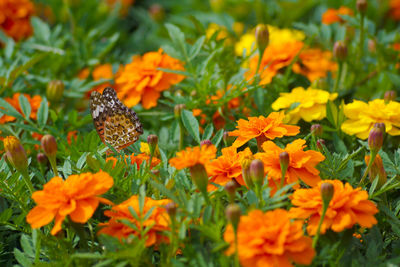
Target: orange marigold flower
(77, 197)
(103, 71)
(270, 239)
(15, 18)
(332, 15)
(71, 135)
(395, 9)
(315, 64)
(192, 156)
(227, 166)
(141, 80)
(138, 159)
(301, 163)
(347, 207)
(14, 101)
(262, 128)
(154, 225)
(275, 57)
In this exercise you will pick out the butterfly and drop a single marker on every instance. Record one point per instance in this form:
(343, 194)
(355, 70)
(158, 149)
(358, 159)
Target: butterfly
(116, 124)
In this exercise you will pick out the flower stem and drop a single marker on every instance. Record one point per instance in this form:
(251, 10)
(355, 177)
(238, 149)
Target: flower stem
(339, 74)
(324, 209)
(361, 44)
(181, 134)
(53, 165)
(27, 181)
(371, 160)
(283, 178)
(236, 250)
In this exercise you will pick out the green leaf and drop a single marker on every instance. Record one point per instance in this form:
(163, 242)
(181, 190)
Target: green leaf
(217, 137)
(21, 258)
(191, 124)
(9, 110)
(177, 37)
(43, 113)
(332, 113)
(25, 106)
(208, 132)
(41, 30)
(195, 49)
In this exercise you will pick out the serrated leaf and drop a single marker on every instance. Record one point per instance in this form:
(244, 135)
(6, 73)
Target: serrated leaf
(191, 124)
(43, 113)
(25, 105)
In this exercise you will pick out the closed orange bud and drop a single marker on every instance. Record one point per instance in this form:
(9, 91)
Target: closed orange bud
(376, 170)
(16, 153)
(49, 145)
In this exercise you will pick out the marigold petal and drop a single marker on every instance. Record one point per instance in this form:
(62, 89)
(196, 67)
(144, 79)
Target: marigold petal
(84, 210)
(40, 216)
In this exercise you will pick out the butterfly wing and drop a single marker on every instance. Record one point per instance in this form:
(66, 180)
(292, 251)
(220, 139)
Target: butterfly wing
(120, 125)
(98, 109)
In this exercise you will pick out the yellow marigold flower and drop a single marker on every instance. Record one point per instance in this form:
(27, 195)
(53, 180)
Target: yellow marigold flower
(192, 156)
(277, 37)
(270, 239)
(222, 32)
(362, 117)
(142, 81)
(262, 128)
(310, 104)
(314, 64)
(77, 197)
(347, 207)
(15, 18)
(153, 225)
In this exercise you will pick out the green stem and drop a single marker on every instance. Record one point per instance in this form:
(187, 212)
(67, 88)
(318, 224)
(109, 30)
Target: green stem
(339, 74)
(38, 245)
(361, 44)
(324, 209)
(283, 178)
(236, 249)
(27, 181)
(53, 165)
(371, 160)
(181, 135)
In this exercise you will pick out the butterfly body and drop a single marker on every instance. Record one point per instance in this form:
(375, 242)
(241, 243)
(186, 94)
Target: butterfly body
(116, 124)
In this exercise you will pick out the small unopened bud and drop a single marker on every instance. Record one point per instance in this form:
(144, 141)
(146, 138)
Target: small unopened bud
(381, 126)
(200, 177)
(41, 158)
(376, 170)
(152, 140)
(205, 143)
(233, 213)
(340, 50)
(390, 96)
(246, 172)
(317, 130)
(230, 189)
(375, 139)
(257, 171)
(327, 192)
(49, 145)
(262, 37)
(16, 154)
(157, 12)
(284, 160)
(362, 5)
(320, 144)
(178, 109)
(55, 90)
(371, 45)
(171, 208)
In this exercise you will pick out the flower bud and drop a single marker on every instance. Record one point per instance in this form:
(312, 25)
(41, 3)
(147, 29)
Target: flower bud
(55, 90)
(49, 145)
(362, 5)
(246, 171)
(284, 160)
(317, 130)
(320, 144)
(340, 50)
(381, 126)
(41, 158)
(217, 5)
(16, 153)
(230, 188)
(178, 109)
(157, 12)
(262, 37)
(233, 213)
(200, 177)
(152, 140)
(257, 171)
(376, 170)
(390, 96)
(375, 139)
(206, 142)
(327, 192)
(171, 208)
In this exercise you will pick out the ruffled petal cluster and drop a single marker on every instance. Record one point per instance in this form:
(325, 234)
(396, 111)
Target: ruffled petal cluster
(270, 239)
(76, 197)
(270, 127)
(348, 207)
(34, 101)
(332, 15)
(362, 117)
(153, 225)
(142, 81)
(192, 156)
(314, 64)
(310, 104)
(138, 159)
(301, 163)
(15, 18)
(227, 166)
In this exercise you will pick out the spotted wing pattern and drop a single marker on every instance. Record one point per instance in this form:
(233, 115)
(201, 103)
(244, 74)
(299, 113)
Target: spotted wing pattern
(116, 124)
